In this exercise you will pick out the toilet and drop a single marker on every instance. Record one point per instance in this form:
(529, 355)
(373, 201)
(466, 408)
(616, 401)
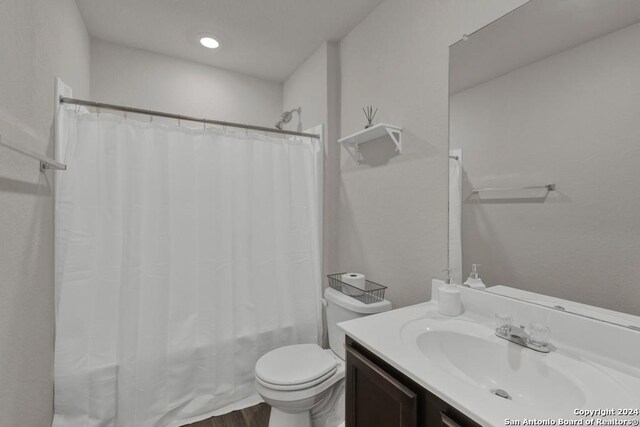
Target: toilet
(296, 380)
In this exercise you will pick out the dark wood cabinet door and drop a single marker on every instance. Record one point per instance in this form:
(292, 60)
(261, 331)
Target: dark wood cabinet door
(375, 398)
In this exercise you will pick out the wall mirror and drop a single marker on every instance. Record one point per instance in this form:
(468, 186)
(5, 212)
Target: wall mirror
(545, 156)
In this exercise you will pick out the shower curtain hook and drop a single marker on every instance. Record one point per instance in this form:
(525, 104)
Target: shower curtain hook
(150, 118)
(179, 123)
(98, 111)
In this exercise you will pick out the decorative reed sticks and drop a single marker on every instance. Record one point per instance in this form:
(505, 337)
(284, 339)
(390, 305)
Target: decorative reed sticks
(369, 114)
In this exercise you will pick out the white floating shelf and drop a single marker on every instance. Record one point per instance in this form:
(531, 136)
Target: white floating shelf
(352, 142)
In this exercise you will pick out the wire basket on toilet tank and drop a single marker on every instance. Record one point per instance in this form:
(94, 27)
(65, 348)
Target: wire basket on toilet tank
(369, 293)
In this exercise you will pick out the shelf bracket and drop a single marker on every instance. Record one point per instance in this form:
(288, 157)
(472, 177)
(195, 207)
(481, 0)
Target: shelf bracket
(396, 137)
(354, 152)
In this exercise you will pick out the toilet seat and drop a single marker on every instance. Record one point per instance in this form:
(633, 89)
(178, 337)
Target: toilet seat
(313, 392)
(295, 367)
(294, 387)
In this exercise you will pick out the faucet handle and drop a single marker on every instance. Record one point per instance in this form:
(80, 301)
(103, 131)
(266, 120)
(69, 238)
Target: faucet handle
(503, 321)
(474, 271)
(539, 334)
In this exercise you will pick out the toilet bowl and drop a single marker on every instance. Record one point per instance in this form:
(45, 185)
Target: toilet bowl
(295, 379)
(305, 381)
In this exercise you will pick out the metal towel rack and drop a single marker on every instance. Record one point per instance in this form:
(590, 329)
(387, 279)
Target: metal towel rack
(548, 187)
(45, 162)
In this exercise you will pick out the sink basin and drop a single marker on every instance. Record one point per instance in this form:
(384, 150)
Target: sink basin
(470, 352)
(523, 375)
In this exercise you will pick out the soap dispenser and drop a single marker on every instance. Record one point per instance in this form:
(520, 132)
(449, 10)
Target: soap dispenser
(449, 298)
(474, 281)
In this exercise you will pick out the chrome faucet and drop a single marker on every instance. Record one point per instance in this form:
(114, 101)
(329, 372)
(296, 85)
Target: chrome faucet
(537, 340)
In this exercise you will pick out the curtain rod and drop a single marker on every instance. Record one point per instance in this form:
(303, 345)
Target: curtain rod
(100, 105)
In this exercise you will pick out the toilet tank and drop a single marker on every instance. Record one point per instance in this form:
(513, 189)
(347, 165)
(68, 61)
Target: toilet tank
(340, 308)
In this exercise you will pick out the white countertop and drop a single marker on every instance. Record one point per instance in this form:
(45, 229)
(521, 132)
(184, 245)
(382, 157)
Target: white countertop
(382, 334)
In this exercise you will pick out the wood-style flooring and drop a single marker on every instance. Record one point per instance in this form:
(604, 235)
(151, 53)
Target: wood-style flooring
(255, 416)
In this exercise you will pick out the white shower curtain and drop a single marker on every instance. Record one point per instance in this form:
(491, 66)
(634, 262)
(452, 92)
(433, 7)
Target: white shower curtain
(455, 215)
(182, 256)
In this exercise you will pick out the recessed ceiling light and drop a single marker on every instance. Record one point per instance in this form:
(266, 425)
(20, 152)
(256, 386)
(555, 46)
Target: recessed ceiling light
(209, 42)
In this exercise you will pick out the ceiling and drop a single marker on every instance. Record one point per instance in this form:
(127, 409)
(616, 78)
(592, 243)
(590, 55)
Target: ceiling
(536, 30)
(264, 38)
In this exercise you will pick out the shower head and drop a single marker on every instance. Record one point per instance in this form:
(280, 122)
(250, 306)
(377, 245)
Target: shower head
(287, 116)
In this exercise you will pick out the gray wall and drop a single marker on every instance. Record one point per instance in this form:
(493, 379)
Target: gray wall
(393, 215)
(570, 119)
(39, 39)
(144, 79)
(315, 86)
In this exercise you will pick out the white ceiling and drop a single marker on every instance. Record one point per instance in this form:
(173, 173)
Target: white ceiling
(263, 38)
(536, 30)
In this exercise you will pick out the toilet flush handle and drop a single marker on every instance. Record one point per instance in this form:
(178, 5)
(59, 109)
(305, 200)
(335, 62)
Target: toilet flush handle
(323, 302)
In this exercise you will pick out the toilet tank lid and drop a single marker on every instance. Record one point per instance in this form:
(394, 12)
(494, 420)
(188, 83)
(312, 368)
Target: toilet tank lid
(350, 303)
